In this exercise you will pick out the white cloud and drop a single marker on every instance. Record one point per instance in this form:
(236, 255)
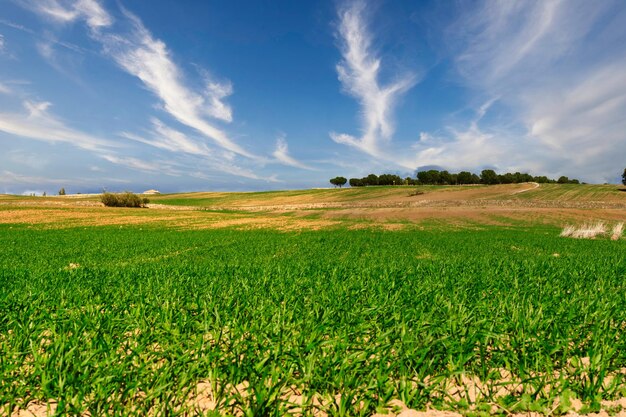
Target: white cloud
(141, 165)
(149, 59)
(37, 123)
(141, 55)
(94, 13)
(282, 155)
(555, 70)
(214, 93)
(17, 26)
(9, 177)
(359, 73)
(68, 11)
(45, 50)
(2, 43)
(195, 155)
(164, 137)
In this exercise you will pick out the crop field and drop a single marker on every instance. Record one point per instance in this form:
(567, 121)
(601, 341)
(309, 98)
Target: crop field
(112, 311)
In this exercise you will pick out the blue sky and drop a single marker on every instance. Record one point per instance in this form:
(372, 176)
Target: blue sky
(249, 95)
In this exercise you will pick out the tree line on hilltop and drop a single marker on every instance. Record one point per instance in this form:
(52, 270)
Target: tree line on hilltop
(435, 177)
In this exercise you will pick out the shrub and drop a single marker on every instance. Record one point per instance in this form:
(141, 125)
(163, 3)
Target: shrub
(126, 199)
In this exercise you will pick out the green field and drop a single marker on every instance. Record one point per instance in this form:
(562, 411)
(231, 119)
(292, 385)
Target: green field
(544, 192)
(138, 320)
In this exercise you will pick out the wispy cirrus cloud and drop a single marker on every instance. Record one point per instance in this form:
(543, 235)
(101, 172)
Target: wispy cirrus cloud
(16, 26)
(193, 156)
(167, 138)
(359, 73)
(147, 58)
(281, 153)
(136, 51)
(556, 69)
(10, 177)
(152, 166)
(473, 147)
(63, 11)
(143, 56)
(36, 122)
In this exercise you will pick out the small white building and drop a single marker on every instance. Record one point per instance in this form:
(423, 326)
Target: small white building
(151, 192)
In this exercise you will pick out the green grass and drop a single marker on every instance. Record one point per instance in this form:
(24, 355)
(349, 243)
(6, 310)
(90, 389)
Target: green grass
(312, 195)
(127, 321)
(574, 192)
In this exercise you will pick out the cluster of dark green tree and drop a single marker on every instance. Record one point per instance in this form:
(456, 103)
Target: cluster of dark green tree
(487, 176)
(384, 179)
(435, 177)
(624, 177)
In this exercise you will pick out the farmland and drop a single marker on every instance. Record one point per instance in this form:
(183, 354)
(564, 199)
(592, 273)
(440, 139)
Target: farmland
(318, 302)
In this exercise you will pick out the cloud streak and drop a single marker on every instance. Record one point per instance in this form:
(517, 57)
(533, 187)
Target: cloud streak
(169, 139)
(69, 11)
(194, 153)
(281, 153)
(38, 123)
(143, 56)
(560, 97)
(359, 73)
(149, 59)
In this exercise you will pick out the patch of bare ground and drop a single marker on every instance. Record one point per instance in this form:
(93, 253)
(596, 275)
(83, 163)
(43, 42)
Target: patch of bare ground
(62, 218)
(206, 395)
(462, 388)
(170, 207)
(35, 409)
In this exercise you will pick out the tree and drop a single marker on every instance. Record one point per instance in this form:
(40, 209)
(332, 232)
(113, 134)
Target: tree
(62, 191)
(464, 177)
(431, 176)
(371, 179)
(389, 179)
(488, 176)
(338, 181)
(445, 178)
(356, 182)
(562, 180)
(507, 178)
(624, 177)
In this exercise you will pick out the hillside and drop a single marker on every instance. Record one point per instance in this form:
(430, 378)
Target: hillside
(386, 207)
(599, 194)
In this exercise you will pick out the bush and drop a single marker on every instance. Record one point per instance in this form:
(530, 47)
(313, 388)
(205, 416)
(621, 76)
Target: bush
(123, 200)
